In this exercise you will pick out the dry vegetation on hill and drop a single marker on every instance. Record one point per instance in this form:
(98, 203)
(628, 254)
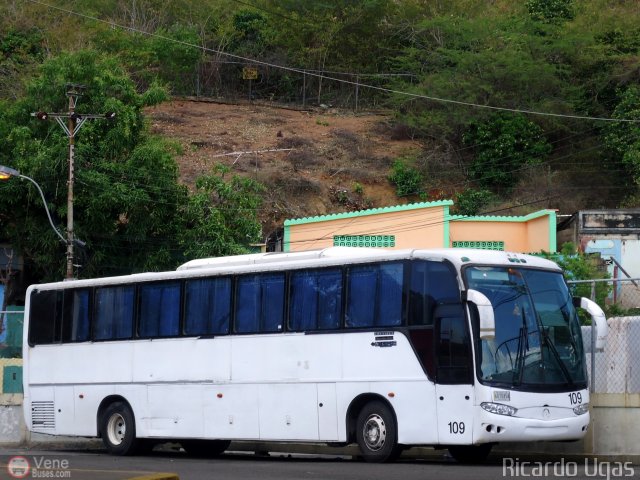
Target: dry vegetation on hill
(324, 161)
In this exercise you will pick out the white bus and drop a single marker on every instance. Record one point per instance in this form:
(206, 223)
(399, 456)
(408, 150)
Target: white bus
(452, 348)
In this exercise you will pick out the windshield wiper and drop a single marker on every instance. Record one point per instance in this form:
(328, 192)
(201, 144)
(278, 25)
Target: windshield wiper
(554, 350)
(523, 346)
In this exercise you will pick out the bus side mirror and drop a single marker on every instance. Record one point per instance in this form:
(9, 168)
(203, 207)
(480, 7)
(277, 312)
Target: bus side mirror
(485, 312)
(597, 317)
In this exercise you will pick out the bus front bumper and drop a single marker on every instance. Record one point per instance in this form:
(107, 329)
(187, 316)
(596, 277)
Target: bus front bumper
(490, 427)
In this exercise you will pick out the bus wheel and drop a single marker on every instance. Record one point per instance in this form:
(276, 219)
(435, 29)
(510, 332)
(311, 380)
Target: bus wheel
(377, 434)
(118, 429)
(205, 448)
(470, 453)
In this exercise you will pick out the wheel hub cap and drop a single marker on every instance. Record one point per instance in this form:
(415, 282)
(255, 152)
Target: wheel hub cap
(116, 429)
(374, 432)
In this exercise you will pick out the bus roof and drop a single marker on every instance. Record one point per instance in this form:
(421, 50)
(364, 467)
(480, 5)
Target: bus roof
(331, 256)
(458, 256)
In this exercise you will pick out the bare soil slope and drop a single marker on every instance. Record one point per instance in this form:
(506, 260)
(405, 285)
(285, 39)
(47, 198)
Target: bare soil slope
(312, 162)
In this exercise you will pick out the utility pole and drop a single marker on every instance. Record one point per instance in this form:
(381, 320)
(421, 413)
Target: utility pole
(71, 128)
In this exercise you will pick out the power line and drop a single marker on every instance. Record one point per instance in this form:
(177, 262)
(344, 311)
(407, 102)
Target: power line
(348, 82)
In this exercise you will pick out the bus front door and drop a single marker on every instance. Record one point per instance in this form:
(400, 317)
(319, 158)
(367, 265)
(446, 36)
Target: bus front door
(454, 380)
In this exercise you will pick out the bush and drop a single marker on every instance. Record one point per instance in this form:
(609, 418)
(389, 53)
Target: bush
(472, 201)
(503, 146)
(408, 180)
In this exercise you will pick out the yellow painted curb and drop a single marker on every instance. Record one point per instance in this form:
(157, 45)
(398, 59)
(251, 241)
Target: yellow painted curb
(157, 476)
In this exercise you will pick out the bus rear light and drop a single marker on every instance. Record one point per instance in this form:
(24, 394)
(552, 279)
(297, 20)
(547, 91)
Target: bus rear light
(499, 408)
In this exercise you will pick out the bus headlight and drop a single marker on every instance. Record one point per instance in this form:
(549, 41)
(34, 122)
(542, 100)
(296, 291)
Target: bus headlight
(581, 409)
(499, 408)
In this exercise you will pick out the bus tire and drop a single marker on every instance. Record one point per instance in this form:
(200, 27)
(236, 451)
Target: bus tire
(377, 433)
(205, 448)
(118, 429)
(470, 454)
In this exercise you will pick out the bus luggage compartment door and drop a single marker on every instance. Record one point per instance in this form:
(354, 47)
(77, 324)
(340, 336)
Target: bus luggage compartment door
(454, 377)
(455, 414)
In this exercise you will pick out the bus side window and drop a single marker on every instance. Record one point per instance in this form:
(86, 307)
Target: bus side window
(259, 303)
(374, 295)
(453, 347)
(316, 299)
(207, 306)
(159, 310)
(432, 284)
(44, 317)
(75, 317)
(113, 318)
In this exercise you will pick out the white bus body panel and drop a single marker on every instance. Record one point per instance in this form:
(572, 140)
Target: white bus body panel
(252, 387)
(454, 405)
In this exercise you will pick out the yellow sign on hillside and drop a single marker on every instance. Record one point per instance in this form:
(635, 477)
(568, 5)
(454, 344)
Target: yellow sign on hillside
(249, 73)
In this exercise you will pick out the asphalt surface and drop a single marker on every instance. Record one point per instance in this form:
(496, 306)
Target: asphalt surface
(171, 464)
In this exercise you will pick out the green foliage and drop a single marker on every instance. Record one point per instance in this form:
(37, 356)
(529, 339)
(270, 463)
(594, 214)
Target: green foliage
(20, 52)
(579, 266)
(551, 10)
(250, 28)
(481, 59)
(126, 191)
(407, 179)
(344, 35)
(220, 216)
(623, 138)
(504, 144)
(176, 56)
(472, 201)
(129, 208)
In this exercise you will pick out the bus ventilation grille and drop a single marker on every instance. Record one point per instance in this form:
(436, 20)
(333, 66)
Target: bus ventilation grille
(43, 415)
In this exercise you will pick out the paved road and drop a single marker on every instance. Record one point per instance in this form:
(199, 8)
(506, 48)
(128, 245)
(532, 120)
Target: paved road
(97, 465)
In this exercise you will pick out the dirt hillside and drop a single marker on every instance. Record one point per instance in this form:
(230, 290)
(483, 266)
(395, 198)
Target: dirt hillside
(312, 162)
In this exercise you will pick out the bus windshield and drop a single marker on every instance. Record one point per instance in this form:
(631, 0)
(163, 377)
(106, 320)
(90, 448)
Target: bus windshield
(538, 342)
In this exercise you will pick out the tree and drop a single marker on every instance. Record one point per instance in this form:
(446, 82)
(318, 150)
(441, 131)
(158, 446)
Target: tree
(472, 201)
(219, 218)
(623, 138)
(503, 145)
(130, 209)
(126, 189)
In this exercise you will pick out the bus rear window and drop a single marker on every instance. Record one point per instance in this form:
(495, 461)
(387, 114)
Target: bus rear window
(44, 317)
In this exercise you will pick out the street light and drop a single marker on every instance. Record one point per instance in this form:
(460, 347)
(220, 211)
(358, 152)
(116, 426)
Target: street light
(6, 173)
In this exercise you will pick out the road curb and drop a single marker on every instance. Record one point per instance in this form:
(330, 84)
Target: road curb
(157, 476)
